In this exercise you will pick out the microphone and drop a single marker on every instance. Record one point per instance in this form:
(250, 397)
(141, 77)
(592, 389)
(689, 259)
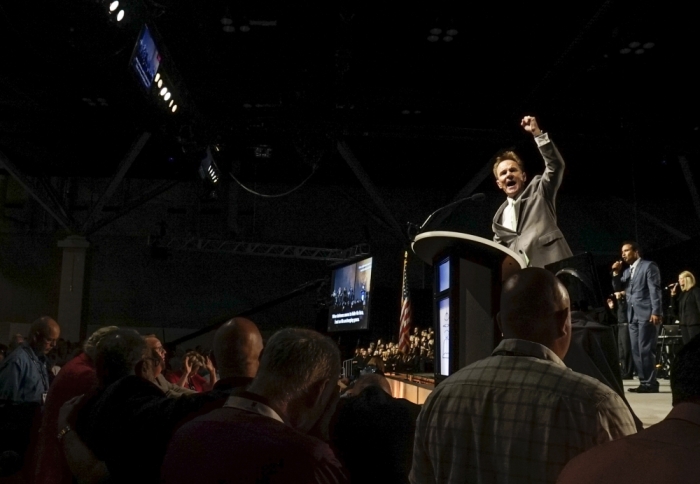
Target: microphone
(670, 286)
(477, 197)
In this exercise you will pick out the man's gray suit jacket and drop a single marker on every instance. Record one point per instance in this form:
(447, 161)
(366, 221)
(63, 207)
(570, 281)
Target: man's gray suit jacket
(537, 235)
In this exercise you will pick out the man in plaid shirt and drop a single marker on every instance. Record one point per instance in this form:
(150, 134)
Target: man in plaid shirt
(519, 415)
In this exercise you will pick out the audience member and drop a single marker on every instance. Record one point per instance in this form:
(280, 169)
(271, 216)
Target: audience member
(519, 415)
(76, 378)
(188, 376)
(16, 341)
(664, 452)
(24, 382)
(158, 355)
(264, 429)
(390, 423)
(237, 347)
(129, 421)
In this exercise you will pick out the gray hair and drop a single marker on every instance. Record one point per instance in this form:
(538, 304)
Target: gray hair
(294, 359)
(117, 354)
(90, 346)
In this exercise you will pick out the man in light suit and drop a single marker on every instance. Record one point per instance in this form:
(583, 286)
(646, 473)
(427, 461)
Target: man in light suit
(641, 283)
(527, 220)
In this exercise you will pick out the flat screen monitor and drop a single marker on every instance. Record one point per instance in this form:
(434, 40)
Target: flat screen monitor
(444, 336)
(350, 296)
(145, 58)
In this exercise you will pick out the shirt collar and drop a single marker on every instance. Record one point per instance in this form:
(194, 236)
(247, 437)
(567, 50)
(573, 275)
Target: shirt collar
(689, 411)
(521, 347)
(634, 264)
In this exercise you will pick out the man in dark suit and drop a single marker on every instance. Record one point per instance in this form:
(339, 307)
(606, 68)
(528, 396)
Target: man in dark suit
(527, 220)
(641, 283)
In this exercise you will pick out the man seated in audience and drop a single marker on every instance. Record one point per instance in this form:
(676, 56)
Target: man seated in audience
(519, 415)
(237, 347)
(390, 422)
(24, 383)
(158, 355)
(260, 435)
(77, 377)
(665, 452)
(123, 431)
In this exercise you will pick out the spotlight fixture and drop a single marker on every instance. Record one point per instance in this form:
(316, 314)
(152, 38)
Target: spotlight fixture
(637, 47)
(174, 108)
(244, 28)
(113, 6)
(436, 31)
(433, 38)
(160, 83)
(120, 16)
(208, 169)
(229, 29)
(447, 38)
(157, 77)
(167, 96)
(163, 91)
(172, 101)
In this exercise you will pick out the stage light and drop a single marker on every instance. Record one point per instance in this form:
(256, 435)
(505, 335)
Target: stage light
(649, 45)
(433, 38)
(160, 83)
(639, 51)
(228, 29)
(171, 103)
(163, 91)
(634, 45)
(436, 31)
(452, 32)
(625, 50)
(244, 28)
(405, 111)
(120, 16)
(157, 78)
(167, 96)
(113, 6)
(226, 20)
(447, 38)
(174, 108)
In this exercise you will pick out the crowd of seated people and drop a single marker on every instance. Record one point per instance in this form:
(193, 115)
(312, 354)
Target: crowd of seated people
(419, 357)
(279, 414)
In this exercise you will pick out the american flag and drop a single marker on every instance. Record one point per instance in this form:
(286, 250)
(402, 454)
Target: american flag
(406, 311)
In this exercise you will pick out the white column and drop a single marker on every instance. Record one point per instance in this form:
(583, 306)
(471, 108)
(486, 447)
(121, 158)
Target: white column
(70, 302)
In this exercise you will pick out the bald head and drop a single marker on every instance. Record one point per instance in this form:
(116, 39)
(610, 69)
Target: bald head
(535, 307)
(43, 335)
(237, 347)
(371, 380)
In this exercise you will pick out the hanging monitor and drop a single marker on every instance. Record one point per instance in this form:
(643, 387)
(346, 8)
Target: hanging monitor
(350, 296)
(145, 59)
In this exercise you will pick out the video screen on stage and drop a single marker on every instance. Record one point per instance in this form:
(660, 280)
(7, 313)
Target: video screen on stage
(350, 286)
(145, 58)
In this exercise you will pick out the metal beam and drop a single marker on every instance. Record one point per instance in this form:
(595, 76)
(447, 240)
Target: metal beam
(361, 175)
(657, 221)
(688, 175)
(304, 288)
(163, 187)
(269, 250)
(124, 166)
(30, 187)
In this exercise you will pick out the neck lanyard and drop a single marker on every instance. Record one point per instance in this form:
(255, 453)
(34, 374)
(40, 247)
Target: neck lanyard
(252, 406)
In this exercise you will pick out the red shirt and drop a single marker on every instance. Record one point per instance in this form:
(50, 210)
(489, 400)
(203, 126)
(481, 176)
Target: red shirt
(77, 377)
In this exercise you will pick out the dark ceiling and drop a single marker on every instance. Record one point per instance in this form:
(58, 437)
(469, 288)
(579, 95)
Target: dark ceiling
(412, 111)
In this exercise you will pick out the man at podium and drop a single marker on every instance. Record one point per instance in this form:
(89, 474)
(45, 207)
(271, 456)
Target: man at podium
(527, 220)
